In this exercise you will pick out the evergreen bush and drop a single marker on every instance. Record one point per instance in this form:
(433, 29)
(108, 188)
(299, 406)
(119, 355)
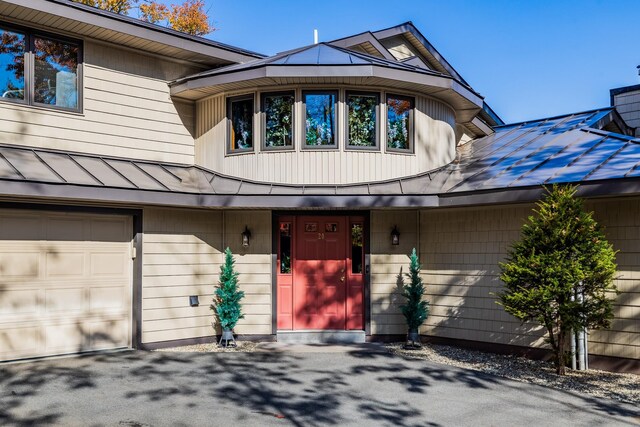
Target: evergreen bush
(226, 303)
(415, 310)
(562, 253)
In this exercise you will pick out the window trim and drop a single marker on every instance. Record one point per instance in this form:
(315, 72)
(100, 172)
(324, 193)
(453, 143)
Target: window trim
(29, 68)
(304, 144)
(230, 100)
(263, 121)
(411, 149)
(376, 146)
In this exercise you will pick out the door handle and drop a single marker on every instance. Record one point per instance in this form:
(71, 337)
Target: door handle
(342, 279)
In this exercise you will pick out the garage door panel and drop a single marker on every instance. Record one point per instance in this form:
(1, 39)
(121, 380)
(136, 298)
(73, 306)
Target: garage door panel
(64, 338)
(108, 334)
(71, 300)
(108, 264)
(21, 227)
(65, 283)
(18, 302)
(108, 298)
(18, 265)
(65, 229)
(19, 341)
(104, 230)
(64, 264)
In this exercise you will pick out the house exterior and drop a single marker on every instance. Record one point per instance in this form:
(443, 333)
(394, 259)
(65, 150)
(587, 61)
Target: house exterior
(131, 155)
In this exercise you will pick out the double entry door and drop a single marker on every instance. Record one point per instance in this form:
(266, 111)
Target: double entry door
(320, 273)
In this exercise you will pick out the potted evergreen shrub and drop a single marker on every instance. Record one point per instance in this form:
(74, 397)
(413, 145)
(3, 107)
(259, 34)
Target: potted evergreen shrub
(226, 304)
(415, 310)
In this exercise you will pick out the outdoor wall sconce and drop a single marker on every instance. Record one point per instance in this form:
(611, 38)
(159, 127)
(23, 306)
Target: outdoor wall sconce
(194, 301)
(395, 236)
(246, 237)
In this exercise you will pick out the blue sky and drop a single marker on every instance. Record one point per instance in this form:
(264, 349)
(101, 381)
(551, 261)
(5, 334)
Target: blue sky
(528, 59)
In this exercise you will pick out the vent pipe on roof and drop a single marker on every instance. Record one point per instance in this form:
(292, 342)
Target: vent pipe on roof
(315, 36)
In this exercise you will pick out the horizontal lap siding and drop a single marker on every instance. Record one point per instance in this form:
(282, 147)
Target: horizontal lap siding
(388, 265)
(460, 252)
(621, 220)
(182, 257)
(127, 111)
(254, 265)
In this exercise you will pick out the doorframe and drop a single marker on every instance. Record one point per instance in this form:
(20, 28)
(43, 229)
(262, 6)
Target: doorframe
(275, 215)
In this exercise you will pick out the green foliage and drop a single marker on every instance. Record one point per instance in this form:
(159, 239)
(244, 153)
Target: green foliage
(562, 252)
(226, 303)
(279, 123)
(415, 310)
(362, 120)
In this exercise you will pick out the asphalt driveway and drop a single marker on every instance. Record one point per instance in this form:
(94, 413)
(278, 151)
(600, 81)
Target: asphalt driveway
(360, 386)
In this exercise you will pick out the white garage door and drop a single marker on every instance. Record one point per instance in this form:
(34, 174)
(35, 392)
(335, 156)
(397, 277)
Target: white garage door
(65, 283)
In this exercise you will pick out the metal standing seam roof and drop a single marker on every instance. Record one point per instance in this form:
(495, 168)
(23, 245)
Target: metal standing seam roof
(316, 54)
(565, 149)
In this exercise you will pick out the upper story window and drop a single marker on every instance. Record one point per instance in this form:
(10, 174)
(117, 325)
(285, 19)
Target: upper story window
(278, 120)
(39, 70)
(240, 115)
(399, 123)
(320, 118)
(362, 120)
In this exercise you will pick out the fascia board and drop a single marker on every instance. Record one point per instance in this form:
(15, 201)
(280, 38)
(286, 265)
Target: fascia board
(306, 71)
(429, 80)
(79, 193)
(362, 38)
(586, 189)
(482, 126)
(218, 79)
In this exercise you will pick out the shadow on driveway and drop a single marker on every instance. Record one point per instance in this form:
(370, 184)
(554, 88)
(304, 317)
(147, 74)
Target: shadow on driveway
(358, 387)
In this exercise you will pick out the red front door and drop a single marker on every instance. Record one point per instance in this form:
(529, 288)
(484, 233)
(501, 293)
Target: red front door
(319, 273)
(323, 288)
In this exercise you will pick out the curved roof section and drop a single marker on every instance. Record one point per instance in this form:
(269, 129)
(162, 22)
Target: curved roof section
(336, 65)
(510, 165)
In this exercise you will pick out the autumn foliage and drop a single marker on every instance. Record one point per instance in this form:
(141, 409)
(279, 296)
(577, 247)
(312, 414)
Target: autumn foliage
(188, 17)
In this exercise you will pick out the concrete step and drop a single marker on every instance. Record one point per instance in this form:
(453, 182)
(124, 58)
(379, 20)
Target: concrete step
(321, 336)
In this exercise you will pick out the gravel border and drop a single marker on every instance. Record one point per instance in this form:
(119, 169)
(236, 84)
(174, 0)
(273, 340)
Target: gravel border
(243, 347)
(622, 387)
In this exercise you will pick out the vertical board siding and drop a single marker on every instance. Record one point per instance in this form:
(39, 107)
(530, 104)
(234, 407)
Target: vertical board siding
(127, 111)
(388, 265)
(460, 252)
(434, 140)
(182, 254)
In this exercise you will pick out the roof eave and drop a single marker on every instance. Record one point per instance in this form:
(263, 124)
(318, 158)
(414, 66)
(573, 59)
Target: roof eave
(586, 189)
(87, 15)
(195, 86)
